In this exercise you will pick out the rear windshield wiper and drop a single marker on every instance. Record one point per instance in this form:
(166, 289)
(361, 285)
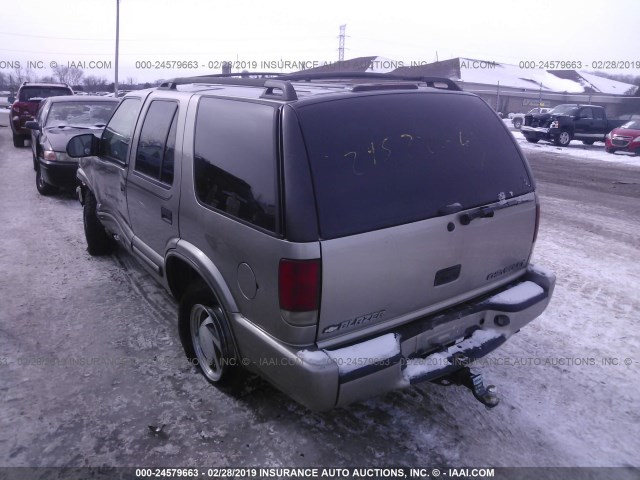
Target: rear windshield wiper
(484, 212)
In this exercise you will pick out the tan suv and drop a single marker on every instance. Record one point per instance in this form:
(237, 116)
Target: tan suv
(340, 235)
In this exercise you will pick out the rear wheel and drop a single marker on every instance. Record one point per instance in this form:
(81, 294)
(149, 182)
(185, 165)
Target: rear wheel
(18, 141)
(98, 240)
(206, 338)
(563, 139)
(588, 142)
(532, 140)
(43, 187)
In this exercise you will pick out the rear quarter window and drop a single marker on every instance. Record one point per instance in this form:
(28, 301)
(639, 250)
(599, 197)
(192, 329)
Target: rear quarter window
(388, 159)
(235, 169)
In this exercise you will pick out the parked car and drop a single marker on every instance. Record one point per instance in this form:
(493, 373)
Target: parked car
(59, 119)
(341, 235)
(625, 139)
(568, 122)
(25, 107)
(517, 119)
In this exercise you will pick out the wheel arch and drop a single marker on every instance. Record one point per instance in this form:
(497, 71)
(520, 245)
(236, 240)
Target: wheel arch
(187, 264)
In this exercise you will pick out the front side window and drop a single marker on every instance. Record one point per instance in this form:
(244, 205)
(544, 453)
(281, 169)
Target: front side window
(154, 156)
(117, 134)
(235, 159)
(586, 113)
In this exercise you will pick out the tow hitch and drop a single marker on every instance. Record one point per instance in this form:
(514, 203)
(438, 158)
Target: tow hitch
(473, 381)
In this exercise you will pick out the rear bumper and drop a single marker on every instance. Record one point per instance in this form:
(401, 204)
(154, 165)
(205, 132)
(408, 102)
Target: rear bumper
(416, 352)
(59, 174)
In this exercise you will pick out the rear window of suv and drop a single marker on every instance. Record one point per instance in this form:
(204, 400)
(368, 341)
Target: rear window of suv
(37, 93)
(384, 160)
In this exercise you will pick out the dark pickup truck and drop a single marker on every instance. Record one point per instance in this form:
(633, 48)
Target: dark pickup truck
(569, 122)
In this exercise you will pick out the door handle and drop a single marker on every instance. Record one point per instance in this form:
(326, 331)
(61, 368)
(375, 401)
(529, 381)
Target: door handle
(166, 215)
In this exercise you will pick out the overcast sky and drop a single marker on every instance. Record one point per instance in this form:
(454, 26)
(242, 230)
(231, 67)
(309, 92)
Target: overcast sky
(202, 31)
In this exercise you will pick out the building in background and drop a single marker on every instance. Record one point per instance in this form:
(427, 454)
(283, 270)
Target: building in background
(509, 88)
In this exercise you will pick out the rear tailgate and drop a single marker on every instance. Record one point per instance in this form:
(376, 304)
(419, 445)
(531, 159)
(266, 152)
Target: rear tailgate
(395, 275)
(394, 176)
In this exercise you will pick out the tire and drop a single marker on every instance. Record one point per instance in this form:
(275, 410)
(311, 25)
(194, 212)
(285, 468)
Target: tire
(588, 142)
(610, 150)
(18, 141)
(532, 140)
(43, 187)
(563, 139)
(35, 161)
(207, 339)
(98, 240)
(517, 123)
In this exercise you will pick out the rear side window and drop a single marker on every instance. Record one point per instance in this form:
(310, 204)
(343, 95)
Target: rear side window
(117, 134)
(154, 156)
(384, 160)
(235, 159)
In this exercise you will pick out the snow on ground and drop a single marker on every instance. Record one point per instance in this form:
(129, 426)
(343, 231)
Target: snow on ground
(575, 149)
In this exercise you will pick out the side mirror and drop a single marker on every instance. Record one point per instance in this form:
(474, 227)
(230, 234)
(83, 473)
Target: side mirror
(11, 99)
(83, 145)
(32, 125)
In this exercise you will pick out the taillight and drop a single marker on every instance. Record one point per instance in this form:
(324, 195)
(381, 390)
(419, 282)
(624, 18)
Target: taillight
(299, 285)
(535, 228)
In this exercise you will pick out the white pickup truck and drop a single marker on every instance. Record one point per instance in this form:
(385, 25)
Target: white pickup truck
(518, 118)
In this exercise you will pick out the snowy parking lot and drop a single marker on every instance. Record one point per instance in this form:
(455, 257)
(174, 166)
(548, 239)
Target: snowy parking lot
(90, 356)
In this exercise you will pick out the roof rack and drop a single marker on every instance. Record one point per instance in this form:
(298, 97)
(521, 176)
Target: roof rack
(254, 79)
(278, 86)
(434, 82)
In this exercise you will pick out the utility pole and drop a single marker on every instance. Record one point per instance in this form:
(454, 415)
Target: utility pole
(341, 43)
(115, 84)
(540, 97)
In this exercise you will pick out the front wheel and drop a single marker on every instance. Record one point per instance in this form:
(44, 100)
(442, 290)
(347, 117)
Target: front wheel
(563, 139)
(588, 142)
(610, 150)
(206, 338)
(532, 140)
(98, 240)
(517, 123)
(43, 187)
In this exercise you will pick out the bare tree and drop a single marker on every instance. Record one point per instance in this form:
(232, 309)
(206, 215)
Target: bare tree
(68, 75)
(95, 84)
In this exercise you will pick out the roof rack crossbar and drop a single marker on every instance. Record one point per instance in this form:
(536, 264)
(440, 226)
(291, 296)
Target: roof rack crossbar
(369, 87)
(242, 78)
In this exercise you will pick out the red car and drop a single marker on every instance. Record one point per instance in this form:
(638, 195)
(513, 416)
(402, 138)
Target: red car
(25, 107)
(626, 138)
